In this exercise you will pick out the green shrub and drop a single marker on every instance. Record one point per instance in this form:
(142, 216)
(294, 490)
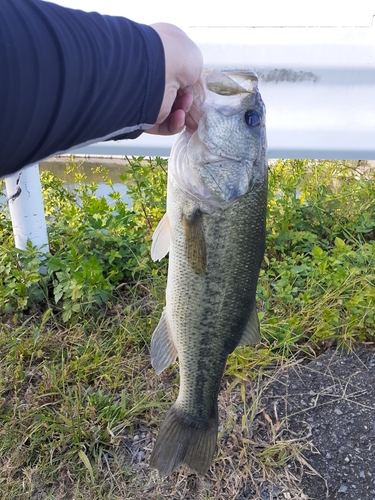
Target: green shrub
(96, 243)
(317, 280)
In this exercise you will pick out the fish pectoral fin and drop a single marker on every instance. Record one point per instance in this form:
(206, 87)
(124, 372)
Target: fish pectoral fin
(251, 335)
(161, 239)
(195, 242)
(163, 350)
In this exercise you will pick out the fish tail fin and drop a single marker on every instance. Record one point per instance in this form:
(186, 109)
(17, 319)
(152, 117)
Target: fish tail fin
(183, 440)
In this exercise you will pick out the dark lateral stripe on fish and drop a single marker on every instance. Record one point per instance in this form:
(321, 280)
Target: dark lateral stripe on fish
(195, 243)
(181, 440)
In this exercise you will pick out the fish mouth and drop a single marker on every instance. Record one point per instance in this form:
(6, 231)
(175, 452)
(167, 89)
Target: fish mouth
(221, 89)
(210, 170)
(228, 83)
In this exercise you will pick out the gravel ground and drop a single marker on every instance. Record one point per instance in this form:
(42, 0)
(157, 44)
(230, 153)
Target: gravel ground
(334, 398)
(303, 431)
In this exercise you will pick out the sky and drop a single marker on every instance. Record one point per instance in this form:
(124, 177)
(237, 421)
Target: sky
(243, 12)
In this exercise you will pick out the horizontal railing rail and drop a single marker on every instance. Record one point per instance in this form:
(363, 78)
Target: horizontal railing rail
(318, 85)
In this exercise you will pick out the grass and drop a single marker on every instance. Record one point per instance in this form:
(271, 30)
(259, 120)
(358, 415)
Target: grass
(79, 402)
(72, 392)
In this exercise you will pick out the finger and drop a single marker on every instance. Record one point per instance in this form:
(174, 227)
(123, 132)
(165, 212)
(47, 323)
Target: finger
(190, 123)
(173, 124)
(183, 101)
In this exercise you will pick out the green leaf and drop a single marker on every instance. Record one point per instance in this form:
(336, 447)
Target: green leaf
(87, 464)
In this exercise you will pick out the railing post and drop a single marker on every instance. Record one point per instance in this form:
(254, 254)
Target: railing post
(24, 192)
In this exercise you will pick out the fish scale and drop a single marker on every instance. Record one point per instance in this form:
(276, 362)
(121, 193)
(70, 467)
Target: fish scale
(215, 236)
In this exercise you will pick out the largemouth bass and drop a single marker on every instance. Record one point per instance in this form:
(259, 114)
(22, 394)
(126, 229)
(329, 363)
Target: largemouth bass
(214, 231)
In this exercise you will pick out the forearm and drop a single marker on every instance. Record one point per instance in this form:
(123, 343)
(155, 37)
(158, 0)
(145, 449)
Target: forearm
(70, 77)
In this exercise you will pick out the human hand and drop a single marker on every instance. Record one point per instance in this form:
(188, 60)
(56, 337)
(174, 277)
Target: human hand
(183, 66)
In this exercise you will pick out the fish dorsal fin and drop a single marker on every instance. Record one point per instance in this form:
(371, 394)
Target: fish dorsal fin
(195, 242)
(161, 239)
(163, 350)
(251, 335)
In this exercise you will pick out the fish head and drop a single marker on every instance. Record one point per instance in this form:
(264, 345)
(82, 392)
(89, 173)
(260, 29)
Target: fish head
(226, 155)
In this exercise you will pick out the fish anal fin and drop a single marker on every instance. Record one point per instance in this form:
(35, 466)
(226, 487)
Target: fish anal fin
(163, 350)
(195, 243)
(183, 440)
(161, 239)
(251, 335)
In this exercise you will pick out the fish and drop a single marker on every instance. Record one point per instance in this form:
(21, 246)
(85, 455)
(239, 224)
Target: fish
(214, 229)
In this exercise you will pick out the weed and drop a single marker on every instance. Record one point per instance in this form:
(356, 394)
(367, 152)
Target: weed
(96, 243)
(78, 397)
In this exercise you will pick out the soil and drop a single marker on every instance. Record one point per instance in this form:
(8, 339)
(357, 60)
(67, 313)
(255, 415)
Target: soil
(334, 398)
(305, 431)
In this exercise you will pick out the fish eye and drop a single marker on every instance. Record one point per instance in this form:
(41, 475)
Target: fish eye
(252, 118)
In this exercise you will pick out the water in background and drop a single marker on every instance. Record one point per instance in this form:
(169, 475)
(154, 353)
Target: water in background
(115, 166)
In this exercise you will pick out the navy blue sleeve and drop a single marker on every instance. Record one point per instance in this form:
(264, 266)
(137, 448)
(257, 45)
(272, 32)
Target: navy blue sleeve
(69, 77)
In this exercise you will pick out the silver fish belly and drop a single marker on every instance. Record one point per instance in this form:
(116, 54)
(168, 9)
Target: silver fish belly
(214, 230)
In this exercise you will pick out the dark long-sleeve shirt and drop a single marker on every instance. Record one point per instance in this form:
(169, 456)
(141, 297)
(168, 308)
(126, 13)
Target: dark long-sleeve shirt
(69, 78)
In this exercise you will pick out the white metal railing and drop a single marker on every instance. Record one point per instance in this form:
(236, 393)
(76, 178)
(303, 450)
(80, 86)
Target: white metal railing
(26, 209)
(318, 85)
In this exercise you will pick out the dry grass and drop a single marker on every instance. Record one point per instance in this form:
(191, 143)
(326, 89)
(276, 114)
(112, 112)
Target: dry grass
(253, 459)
